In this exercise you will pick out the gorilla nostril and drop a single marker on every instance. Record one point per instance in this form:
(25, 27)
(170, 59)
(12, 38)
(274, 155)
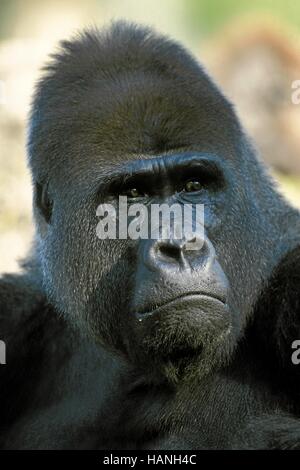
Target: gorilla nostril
(192, 239)
(169, 251)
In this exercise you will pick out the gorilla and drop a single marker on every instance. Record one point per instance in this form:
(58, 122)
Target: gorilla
(123, 343)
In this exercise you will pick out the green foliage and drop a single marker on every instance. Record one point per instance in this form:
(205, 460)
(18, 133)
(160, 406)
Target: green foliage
(210, 15)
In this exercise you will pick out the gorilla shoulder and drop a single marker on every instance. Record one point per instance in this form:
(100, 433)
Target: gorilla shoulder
(276, 324)
(29, 327)
(20, 301)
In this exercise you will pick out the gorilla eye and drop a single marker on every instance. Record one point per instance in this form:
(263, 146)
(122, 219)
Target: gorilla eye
(192, 186)
(134, 193)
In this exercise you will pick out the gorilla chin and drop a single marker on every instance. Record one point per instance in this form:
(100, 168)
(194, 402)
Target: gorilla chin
(183, 335)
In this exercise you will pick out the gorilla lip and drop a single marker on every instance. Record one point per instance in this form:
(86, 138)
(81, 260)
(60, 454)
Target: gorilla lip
(199, 296)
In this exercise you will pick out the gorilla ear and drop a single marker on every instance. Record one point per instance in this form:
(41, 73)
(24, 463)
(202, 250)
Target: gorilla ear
(43, 201)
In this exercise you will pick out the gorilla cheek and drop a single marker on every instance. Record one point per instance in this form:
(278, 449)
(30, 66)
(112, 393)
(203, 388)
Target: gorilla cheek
(108, 307)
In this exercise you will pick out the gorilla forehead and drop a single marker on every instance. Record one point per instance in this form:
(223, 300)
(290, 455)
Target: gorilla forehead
(127, 91)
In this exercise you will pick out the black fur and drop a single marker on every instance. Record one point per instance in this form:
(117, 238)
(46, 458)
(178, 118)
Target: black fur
(81, 371)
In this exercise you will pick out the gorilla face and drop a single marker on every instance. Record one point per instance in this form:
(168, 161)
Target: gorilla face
(179, 296)
(152, 127)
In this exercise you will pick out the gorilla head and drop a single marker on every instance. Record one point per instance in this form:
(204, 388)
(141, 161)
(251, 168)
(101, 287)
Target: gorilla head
(128, 112)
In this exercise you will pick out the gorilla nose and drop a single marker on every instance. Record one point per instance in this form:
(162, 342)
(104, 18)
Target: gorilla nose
(169, 251)
(188, 252)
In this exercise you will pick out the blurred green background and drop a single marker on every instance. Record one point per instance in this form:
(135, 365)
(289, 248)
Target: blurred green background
(250, 47)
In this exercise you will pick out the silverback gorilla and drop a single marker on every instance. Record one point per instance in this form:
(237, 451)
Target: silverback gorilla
(142, 343)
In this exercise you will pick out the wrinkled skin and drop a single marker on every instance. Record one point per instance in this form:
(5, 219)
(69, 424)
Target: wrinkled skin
(144, 343)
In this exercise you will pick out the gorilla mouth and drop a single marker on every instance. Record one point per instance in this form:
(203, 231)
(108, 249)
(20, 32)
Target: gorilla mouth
(195, 297)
